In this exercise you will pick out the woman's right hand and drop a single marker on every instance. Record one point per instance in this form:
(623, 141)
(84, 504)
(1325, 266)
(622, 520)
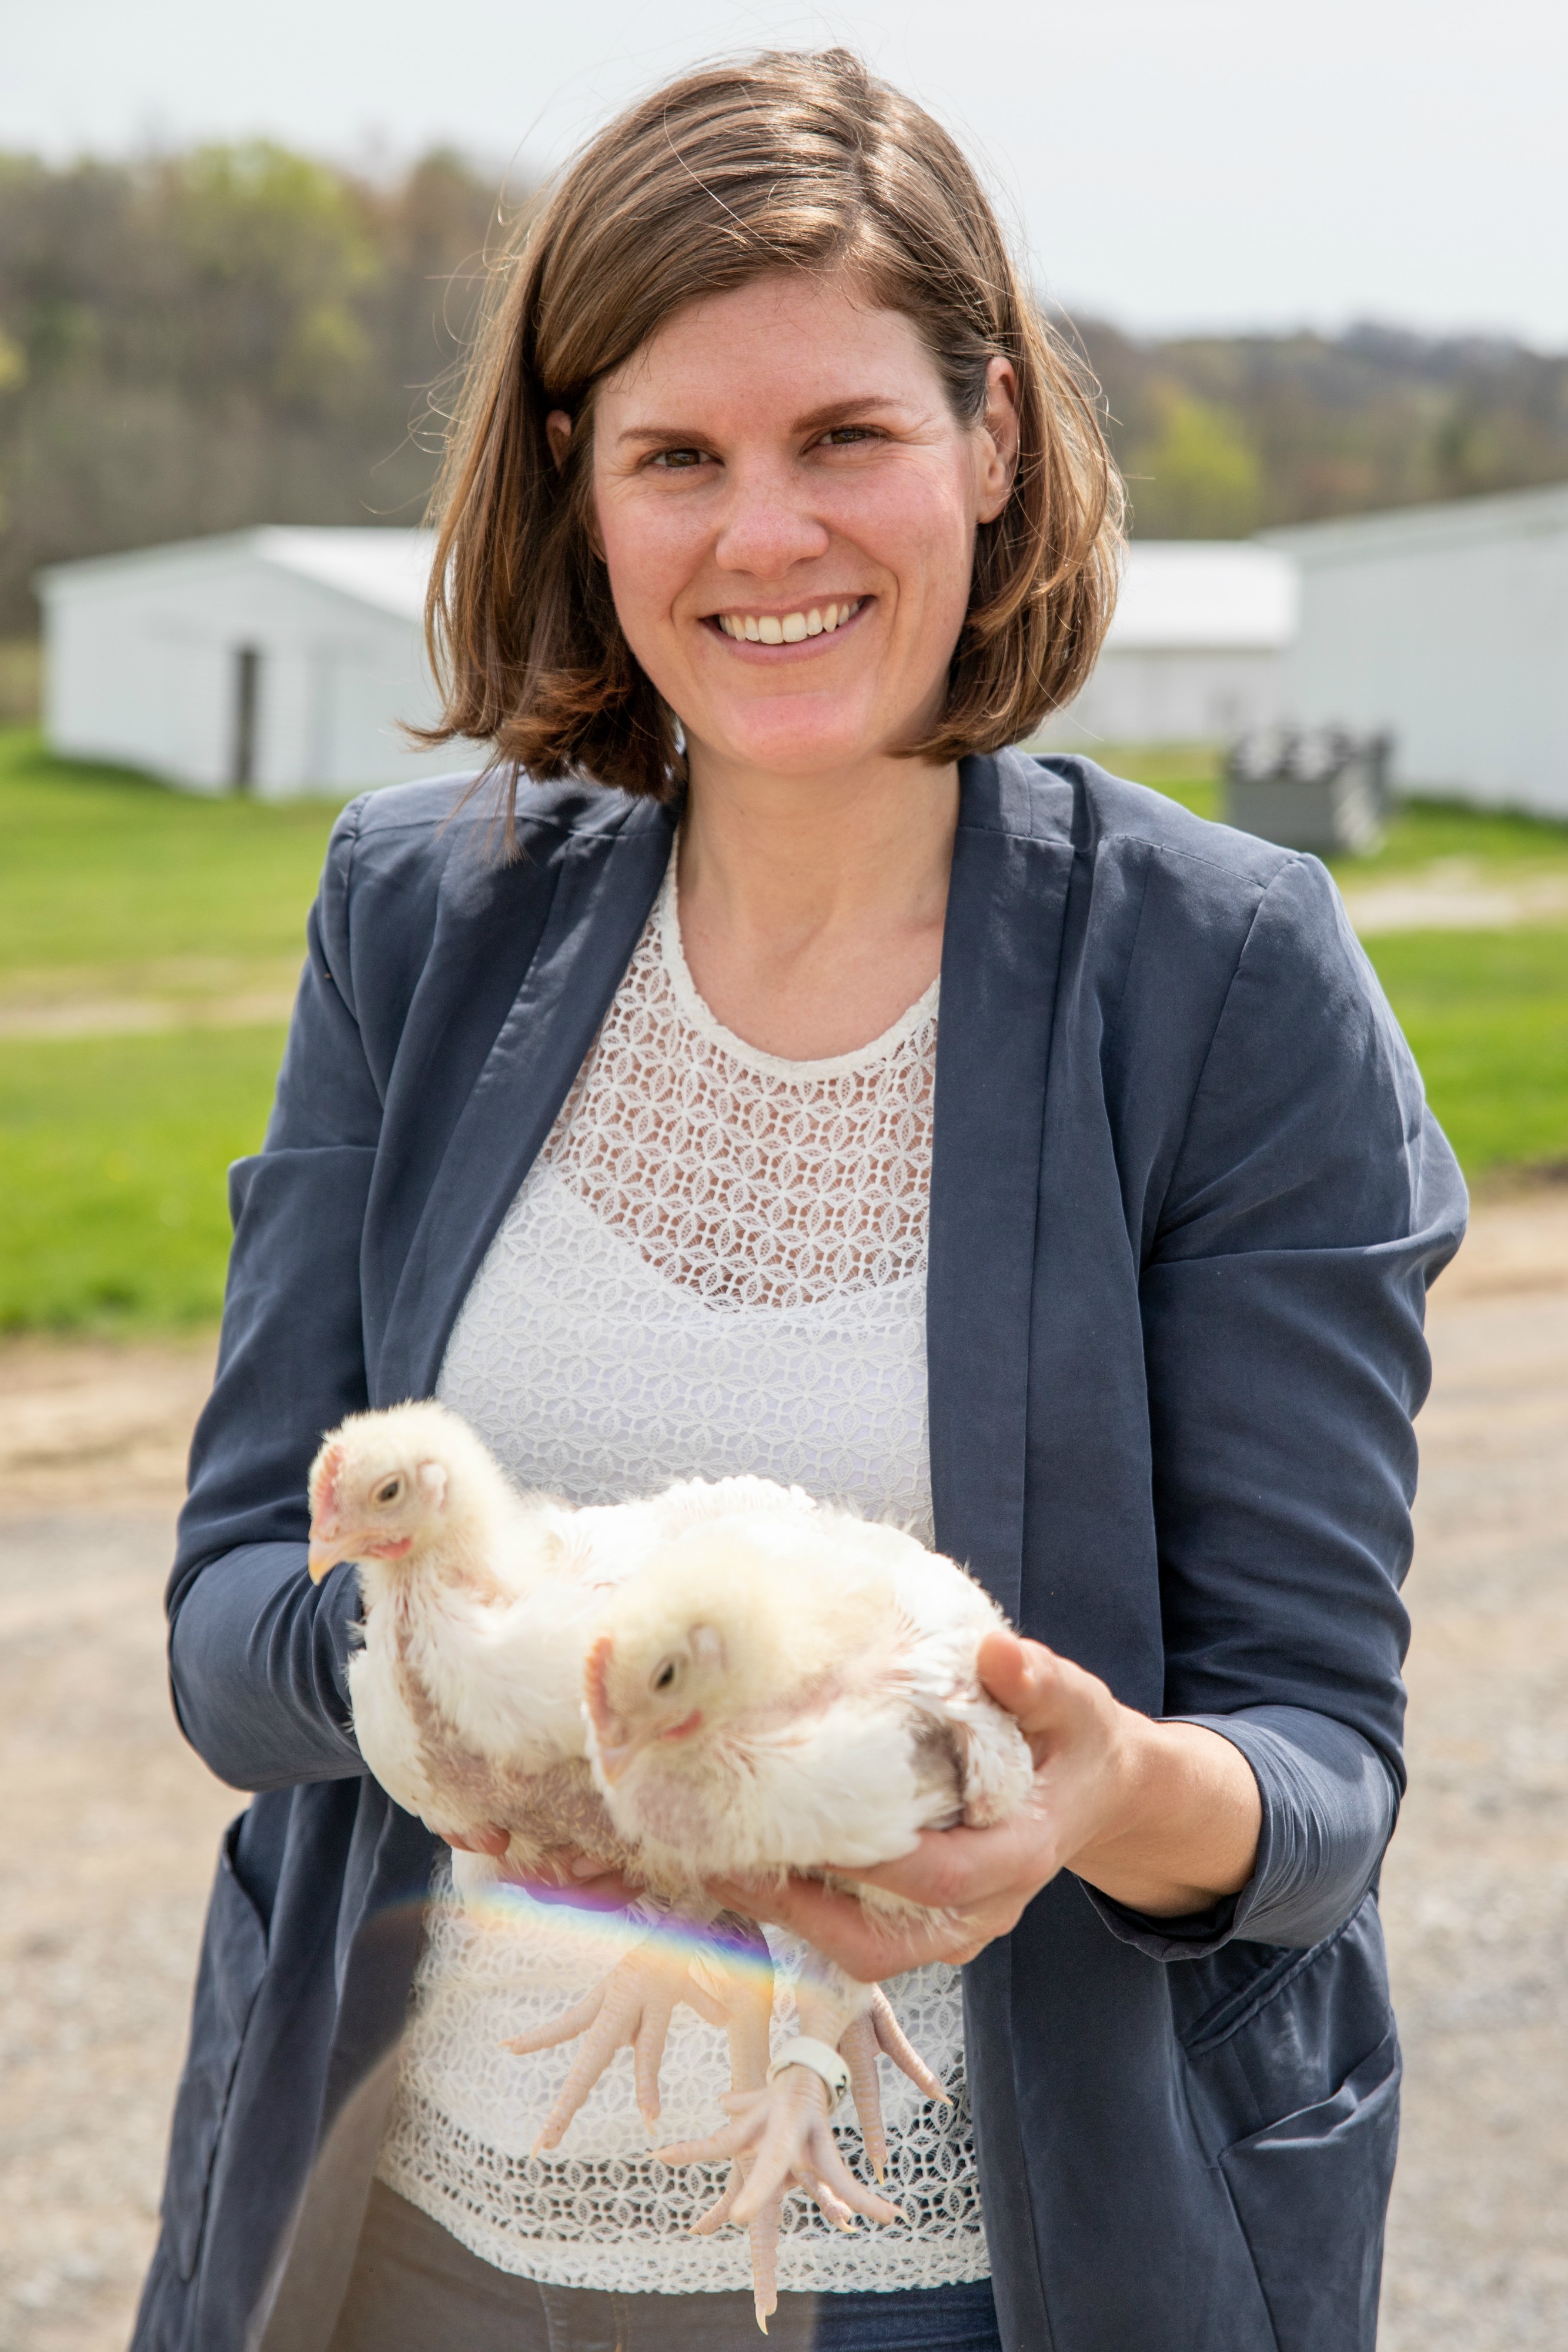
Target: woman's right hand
(562, 1874)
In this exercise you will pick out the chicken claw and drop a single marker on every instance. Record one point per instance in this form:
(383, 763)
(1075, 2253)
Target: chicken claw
(877, 2029)
(630, 2008)
(781, 2134)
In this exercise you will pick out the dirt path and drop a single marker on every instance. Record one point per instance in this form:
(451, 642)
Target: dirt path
(111, 1824)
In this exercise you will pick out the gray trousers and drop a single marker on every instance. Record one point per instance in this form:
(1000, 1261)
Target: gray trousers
(415, 2289)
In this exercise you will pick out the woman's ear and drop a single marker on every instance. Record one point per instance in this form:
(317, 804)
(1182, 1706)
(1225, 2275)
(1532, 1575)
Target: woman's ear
(557, 432)
(1000, 443)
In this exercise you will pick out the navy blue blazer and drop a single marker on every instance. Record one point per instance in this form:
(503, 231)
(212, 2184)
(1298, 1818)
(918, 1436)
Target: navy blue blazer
(1186, 1201)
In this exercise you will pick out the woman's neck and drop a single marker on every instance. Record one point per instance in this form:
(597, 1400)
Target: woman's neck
(811, 910)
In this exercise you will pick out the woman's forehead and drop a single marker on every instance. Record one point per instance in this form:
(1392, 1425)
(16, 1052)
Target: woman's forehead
(791, 346)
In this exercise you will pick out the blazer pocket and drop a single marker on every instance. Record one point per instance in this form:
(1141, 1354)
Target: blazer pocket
(1281, 2037)
(233, 1962)
(1310, 2192)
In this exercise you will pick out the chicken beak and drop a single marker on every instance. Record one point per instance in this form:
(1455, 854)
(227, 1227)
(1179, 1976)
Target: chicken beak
(321, 1557)
(613, 1758)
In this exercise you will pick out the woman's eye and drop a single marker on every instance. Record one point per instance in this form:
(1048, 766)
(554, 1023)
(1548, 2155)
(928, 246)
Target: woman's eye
(672, 461)
(845, 437)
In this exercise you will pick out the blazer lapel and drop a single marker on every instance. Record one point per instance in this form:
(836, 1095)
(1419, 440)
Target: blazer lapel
(1012, 862)
(605, 886)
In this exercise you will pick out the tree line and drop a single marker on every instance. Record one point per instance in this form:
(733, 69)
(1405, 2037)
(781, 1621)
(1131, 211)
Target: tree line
(239, 334)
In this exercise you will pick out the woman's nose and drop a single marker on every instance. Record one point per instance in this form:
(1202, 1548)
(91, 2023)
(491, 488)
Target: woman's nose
(767, 528)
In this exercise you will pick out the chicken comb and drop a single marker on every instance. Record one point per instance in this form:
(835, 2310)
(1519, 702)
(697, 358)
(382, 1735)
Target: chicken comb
(324, 1484)
(595, 1668)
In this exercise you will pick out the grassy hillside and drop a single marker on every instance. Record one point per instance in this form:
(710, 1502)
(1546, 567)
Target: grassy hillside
(149, 945)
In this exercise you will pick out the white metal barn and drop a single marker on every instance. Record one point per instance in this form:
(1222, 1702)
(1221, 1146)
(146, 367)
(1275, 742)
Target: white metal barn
(1447, 626)
(274, 661)
(1196, 650)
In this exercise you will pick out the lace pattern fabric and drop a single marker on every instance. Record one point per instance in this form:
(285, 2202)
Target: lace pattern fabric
(717, 1265)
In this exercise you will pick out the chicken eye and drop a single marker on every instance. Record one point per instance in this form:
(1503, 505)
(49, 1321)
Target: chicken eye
(665, 1676)
(389, 1491)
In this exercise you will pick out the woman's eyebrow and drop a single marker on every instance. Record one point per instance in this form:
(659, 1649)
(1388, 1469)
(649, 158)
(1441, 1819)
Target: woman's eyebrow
(815, 420)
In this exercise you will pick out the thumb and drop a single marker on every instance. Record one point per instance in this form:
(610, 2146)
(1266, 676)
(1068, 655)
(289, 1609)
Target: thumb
(1022, 1677)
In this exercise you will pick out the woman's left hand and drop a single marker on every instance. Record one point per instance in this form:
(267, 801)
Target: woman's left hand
(1163, 1817)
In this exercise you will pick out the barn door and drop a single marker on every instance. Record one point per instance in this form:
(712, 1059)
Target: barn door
(245, 708)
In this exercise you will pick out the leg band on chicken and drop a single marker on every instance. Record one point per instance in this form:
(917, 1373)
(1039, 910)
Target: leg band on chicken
(781, 2137)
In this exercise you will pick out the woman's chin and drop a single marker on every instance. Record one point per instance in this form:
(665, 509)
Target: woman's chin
(795, 741)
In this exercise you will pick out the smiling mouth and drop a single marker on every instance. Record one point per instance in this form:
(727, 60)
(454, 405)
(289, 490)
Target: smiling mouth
(787, 628)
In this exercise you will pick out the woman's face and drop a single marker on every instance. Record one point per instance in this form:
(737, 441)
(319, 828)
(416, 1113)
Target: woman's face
(787, 506)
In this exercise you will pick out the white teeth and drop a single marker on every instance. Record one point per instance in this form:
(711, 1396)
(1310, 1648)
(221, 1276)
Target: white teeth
(787, 628)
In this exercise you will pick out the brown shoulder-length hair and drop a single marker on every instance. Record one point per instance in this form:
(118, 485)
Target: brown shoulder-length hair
(788, 160)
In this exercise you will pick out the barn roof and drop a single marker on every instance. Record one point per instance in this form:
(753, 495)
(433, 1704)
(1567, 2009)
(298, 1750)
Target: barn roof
(386, 569)
(1191, 596)
(1451, 522)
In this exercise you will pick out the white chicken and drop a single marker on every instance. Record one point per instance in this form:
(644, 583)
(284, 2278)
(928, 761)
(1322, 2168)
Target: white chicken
(478, 1604)
(765, 1697)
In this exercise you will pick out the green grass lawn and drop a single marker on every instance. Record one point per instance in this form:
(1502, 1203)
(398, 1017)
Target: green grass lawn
(112, 1149)
(113, 1212)
(1487, 1016)
(107, 870)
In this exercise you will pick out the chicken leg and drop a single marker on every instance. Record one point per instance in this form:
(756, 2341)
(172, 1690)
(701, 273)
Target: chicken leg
(682, 1958)
(876, 2031)
(781, 2134)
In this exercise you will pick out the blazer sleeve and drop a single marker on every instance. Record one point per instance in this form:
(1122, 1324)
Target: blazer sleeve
(1313, 1199)
(256, 1653)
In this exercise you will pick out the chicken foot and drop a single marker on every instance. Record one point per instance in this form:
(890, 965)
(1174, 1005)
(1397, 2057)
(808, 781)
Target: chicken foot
(632, 2008)
(739, 1976)
(629, 2009)
(876, 2031)
(781, 2134)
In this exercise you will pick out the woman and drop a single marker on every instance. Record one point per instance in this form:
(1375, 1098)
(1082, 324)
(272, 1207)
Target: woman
(774, 518)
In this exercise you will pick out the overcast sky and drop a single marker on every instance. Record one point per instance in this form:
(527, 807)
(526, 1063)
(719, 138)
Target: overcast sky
(1169, 163)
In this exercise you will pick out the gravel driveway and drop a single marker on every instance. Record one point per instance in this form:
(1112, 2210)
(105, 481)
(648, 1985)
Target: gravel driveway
(111, 1824)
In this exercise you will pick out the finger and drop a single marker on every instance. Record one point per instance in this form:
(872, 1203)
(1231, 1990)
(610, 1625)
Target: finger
(487, 1838)
(611, 1893)
(1038, 1688)
(591, 1865)
(960, 1869)
(836, 1924)
(870, 1945)
(1003, 1664)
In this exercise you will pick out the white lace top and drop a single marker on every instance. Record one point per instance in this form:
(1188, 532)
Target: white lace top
(717, 1266)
